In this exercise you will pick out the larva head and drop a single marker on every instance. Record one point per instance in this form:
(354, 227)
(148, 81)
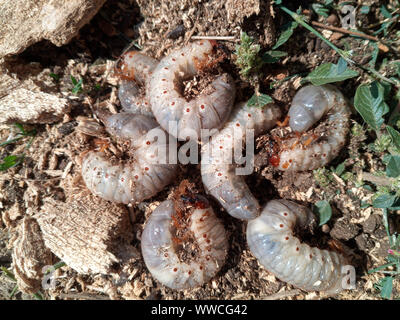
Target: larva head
(308, 106)
(123, 68)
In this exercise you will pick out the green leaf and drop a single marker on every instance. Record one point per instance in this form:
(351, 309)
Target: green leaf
(56, 77)
(384, 201)
(259, 100)
(385, 12)
(364, 9)
(21, 128)
(77, 85)
(386, 286)
(370, 104)
(340, 169)
(324, 210)
(341, 65)
(320, 9)
(10, 161)
(273, 56)
(329, 72)
(395, 135)
(287, 31)
(8, 273)
(393, 167)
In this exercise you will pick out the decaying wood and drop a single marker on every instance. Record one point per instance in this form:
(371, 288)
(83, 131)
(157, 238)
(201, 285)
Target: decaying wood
(30, 256)
(23, 100)
(24, 22)
(89, 234)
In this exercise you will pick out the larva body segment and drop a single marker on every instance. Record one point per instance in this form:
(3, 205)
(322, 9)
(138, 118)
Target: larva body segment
(136, 179)
(160, 250)
(270, 239)
(309, 105)
(135, 72)
(208, 110)
(218, 169)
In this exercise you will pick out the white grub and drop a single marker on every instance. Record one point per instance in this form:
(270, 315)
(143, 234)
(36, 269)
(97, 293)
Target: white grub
(159, 247)
(142, 176)
(219, 176)
(271, 240)
(135, 71)
(309, 105)
(207, 110)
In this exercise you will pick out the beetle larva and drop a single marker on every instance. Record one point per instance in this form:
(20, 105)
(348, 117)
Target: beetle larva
(270, 239)
(218, 174)
(135, 70)
(207, 110)
(311, 150)
(184, 244)
(143, 175)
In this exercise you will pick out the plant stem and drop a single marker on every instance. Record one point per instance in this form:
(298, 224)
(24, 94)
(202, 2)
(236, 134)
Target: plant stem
(386, 225)
(299, 19)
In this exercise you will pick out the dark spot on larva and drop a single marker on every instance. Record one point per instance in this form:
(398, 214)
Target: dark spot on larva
(146, 103)
(208, 258)
(147, 142)
(249, 115)
(209, 249)
(208, 240)
(136, 177)
(310, 256)
(290, 160)
(201, 43)
(285, 214)
(201, 267)
(219, 174)
(297, 248)
(324, 155)
(189, 273)
(204, 235)
(146, 168)
(281, 225)
(95, 168)
(122, 179)
(166, 255)
(172, 103)
(175, 269)
(221, 147)
(287, 238)
(165, 91)
(163, 79)
(202, 106)
(182, 54)
(187, 110)
(166, 68)
(173, 59)
(237, 124)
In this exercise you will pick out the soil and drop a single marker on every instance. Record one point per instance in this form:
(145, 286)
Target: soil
(157, 27)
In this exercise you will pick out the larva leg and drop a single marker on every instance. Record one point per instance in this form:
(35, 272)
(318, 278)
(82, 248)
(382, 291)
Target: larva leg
(208, 110)
(219, 176)
(270, 239)
(135, 70)
(162, 245)
(136, 179)
(312, 151)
